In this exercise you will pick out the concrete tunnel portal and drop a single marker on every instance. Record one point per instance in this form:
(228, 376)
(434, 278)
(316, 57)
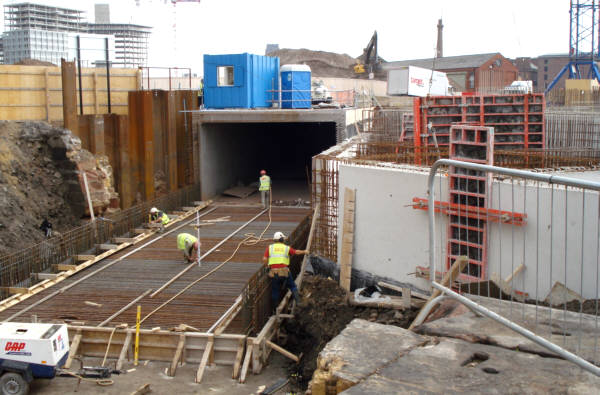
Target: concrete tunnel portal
(233, 153)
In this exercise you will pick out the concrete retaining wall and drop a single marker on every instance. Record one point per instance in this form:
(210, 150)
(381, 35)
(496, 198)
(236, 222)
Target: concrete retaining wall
(391, 238)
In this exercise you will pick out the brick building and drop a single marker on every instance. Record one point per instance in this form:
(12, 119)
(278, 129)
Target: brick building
(484, 73)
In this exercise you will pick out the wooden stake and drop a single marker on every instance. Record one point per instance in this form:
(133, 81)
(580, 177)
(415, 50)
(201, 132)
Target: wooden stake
(247, 359)
(205, 357)
(238, 359)
(177, 356)
(518, 270)
(124, 350)
(73, 349)
(457, 267)
(283, 351)
(347, 239)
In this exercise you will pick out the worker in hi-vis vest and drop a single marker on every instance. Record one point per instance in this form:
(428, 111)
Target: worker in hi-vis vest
(277, 257)
(264, 188)
(189, 245)
(158, 217)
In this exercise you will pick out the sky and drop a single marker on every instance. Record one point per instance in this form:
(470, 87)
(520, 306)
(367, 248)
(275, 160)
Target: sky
(181, 34)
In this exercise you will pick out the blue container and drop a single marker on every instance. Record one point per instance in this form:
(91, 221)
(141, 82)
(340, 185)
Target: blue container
(240, 81)
(295, 86)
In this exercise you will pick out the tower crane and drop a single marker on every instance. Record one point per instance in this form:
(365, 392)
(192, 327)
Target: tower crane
(584, 41)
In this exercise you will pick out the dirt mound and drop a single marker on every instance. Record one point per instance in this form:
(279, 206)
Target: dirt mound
(40, 168)
(322, 64)
(322, 315)
(34, 62)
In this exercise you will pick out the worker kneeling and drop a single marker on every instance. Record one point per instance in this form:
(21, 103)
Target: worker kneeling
(189, 245)
(277, 256)
(158, 217)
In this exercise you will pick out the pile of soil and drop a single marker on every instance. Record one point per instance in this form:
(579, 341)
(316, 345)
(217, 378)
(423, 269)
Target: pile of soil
(322, 315)
(321, 63)
(40, 167)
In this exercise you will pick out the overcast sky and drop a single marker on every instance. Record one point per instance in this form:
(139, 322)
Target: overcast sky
(406, 29)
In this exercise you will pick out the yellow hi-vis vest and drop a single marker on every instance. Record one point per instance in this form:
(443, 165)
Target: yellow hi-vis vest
(182, 238)
(279, 254)
(164, 219)
(265, 183)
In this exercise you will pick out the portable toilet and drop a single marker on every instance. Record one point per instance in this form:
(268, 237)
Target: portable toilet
(295, 86)
(240, 81)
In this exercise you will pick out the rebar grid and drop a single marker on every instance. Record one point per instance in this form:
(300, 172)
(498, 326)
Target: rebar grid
(359, 151)
(16, 269)
(572, 128)
(559, 97)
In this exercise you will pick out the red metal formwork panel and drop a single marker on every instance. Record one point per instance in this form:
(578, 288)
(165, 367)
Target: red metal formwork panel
(518, 119)
(469, 190)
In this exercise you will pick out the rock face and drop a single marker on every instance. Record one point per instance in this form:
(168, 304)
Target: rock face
(370, 358)
(40, 177)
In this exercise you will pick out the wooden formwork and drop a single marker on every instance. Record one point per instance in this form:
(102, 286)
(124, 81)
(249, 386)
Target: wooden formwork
(176, 347)
(35, 92)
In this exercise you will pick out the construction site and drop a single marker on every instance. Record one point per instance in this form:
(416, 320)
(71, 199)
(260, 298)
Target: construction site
(440, 228)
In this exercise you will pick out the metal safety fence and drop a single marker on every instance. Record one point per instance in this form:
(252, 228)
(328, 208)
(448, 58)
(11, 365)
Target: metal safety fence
(18, 269)
(525, 248)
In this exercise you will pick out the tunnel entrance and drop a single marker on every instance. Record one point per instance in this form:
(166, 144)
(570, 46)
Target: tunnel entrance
(233, 153)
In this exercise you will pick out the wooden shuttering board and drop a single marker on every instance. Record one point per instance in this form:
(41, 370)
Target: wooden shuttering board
(347, 238)
(157, 346)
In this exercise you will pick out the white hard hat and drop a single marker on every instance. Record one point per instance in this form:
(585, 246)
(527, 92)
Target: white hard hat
(154, 210)
(278, 236)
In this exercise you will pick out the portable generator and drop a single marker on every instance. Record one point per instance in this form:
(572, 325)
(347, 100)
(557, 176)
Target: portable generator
(30, 351)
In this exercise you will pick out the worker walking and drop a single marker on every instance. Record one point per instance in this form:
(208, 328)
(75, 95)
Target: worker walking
(158, 217)
(277, 257)
(189, 245)
(264, 188)
(46, 227)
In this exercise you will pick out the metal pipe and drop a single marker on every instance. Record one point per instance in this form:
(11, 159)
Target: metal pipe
(63, 289)
(238, 300)
(519, 329)
(107, 59)
(79, 75)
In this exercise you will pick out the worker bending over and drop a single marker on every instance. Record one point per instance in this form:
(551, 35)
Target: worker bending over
(189, 245)
(277, 256)
(264, 188)
(158, 217)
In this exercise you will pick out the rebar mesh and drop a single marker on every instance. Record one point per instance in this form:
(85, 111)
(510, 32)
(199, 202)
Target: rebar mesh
(17, 269)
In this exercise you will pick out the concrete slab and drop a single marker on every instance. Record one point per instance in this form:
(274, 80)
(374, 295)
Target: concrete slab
(558, 326)
(359, 350)
(454, 366)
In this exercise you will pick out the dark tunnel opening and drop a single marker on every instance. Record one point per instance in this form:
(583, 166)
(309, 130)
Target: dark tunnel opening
(234, 153)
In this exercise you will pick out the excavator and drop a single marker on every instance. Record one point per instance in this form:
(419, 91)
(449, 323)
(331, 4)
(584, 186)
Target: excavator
(369, 61)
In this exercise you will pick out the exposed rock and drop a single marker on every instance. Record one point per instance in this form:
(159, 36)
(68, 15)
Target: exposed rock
(40, 170)
(558, 326)
(456, 367)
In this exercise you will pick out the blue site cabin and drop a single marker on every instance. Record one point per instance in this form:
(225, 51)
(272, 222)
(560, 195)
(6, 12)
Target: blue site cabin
(295, 86)
(240, 81)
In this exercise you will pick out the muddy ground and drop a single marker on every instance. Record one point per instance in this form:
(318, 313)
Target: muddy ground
(321, 316)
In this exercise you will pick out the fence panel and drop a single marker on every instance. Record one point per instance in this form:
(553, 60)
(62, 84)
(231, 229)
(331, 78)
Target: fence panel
(541, 253)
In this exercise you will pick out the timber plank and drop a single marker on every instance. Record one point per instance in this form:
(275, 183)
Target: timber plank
(124, 350)
(205, 358)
